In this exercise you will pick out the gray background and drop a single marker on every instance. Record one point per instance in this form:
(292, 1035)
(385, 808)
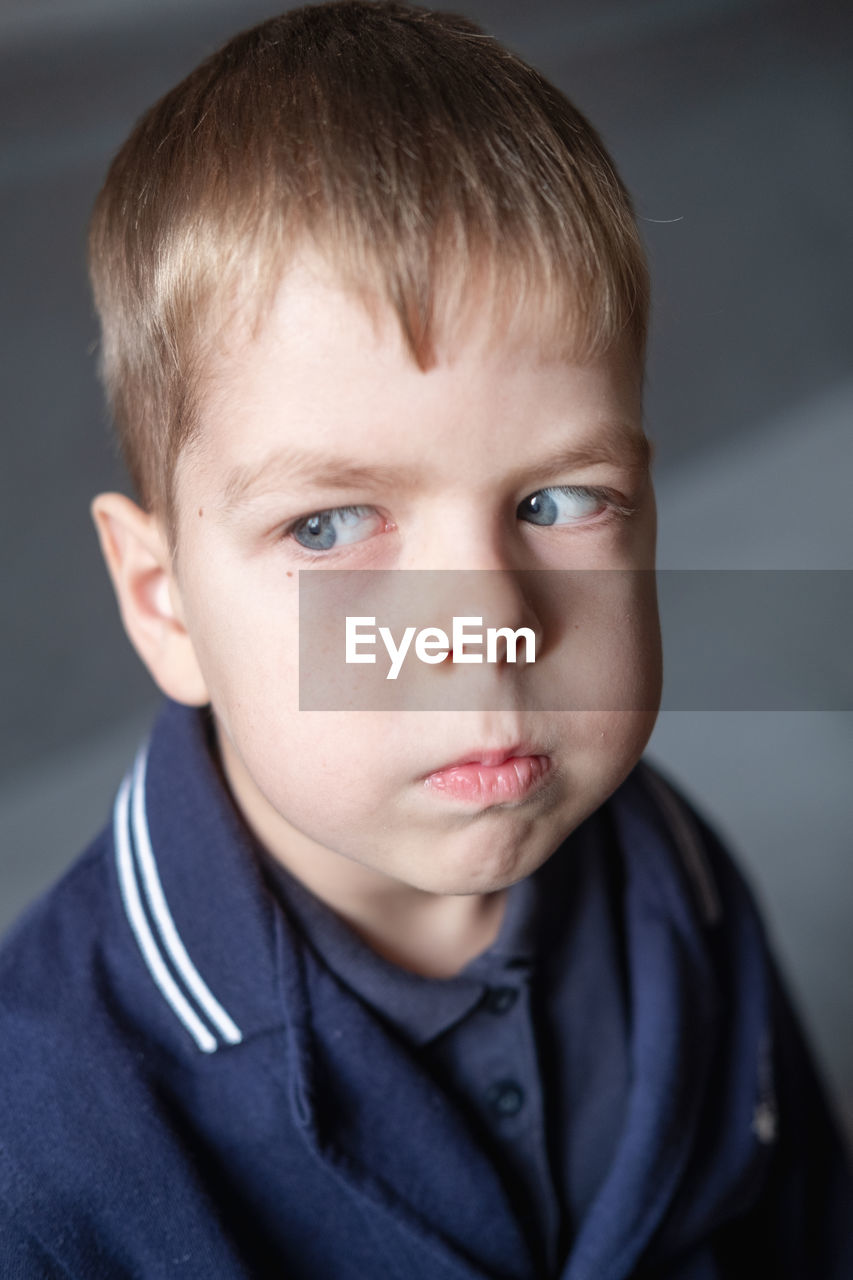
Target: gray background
(731, 122)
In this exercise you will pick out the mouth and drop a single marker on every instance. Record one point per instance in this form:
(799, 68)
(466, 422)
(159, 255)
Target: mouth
(491, 756)
(487, 777)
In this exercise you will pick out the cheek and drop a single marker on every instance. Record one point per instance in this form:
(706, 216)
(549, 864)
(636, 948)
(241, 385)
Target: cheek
(605, 651)
(326, 774)
(619, 739)
(603, 747)
(246, 638)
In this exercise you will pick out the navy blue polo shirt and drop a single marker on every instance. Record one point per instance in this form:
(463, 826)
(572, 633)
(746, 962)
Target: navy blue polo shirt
(188, 1088)
(530, 1038)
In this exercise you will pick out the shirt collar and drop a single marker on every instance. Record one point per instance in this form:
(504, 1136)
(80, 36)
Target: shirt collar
(198, 910)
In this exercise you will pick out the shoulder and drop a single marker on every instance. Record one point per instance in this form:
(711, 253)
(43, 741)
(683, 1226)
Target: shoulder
(85, 1137)
(701, 867)
(800, 1201)
(57, 1031)
(685, 876)
(46, 957)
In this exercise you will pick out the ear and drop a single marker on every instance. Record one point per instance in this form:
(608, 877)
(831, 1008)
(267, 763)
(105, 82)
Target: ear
(137, 555)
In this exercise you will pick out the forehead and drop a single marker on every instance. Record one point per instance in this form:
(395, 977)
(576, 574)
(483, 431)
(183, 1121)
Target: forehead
(324, 378)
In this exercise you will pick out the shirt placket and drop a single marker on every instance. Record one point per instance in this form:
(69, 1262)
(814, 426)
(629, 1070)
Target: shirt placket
(505, 1089)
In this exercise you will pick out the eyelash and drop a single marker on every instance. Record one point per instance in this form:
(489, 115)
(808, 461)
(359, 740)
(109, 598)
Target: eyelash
(616, 509)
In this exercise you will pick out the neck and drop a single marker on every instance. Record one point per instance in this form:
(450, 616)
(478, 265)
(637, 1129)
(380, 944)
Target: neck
(436, 937)
(431, 934)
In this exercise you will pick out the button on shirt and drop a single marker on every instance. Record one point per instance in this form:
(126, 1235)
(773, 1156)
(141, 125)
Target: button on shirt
(530, 1038)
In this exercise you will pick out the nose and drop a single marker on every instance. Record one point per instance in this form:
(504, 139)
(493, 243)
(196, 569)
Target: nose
(467, 571)
(489, 615)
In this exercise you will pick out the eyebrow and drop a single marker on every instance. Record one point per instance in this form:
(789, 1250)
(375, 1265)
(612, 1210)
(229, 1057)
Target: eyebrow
(623, 446)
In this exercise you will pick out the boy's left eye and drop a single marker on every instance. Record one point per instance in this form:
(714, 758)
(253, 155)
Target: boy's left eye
(563, 504)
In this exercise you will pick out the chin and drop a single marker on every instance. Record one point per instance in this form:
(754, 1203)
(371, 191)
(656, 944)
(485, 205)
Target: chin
(483, 872)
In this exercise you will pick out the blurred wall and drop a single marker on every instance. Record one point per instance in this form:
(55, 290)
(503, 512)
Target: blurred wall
(731, 122)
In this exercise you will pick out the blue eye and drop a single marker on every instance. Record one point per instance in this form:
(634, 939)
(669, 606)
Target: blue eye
(340, 525)
(564, 504)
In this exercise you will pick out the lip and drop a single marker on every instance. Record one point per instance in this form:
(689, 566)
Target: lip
(509, 779)
(491, 756)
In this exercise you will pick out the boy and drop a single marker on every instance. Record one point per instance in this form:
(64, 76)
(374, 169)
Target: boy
(391, 993)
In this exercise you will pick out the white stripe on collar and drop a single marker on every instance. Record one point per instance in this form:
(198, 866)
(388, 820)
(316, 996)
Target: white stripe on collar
(226, 1027)
(169, 938)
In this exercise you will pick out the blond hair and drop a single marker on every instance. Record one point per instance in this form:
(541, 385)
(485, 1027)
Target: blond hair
(408, 146)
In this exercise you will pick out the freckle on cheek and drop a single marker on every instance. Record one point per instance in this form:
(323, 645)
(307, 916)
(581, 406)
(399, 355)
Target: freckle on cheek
(290, 573)
(200, 511)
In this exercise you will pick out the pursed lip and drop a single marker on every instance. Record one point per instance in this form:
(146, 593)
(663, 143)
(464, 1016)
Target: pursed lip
(490, 756)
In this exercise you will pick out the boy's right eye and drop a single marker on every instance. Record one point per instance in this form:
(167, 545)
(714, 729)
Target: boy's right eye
(338, 526)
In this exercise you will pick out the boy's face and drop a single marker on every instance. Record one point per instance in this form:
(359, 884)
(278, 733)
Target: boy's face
(473, 439)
